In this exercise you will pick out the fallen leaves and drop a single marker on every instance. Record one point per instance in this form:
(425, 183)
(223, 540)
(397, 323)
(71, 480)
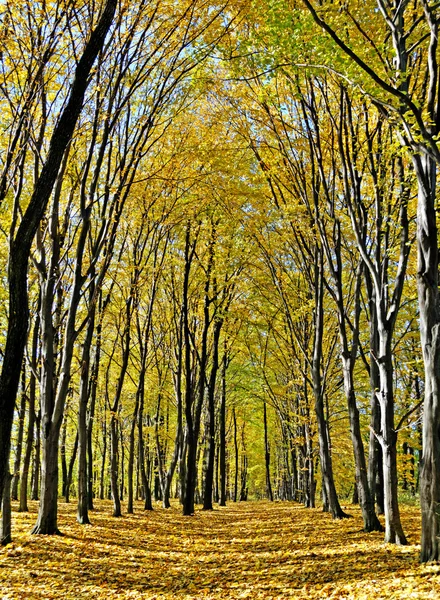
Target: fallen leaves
(247, 550)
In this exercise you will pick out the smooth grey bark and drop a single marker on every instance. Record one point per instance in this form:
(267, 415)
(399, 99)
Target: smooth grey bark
(429, 303)
(375, 478)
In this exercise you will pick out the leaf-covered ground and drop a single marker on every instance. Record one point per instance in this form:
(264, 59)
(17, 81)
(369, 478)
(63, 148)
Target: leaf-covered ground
(247, 550)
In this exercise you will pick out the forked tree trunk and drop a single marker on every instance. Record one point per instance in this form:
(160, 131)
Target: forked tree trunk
(70, 469)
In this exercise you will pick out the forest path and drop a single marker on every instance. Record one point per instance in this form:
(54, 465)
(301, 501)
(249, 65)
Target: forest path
(246, 550)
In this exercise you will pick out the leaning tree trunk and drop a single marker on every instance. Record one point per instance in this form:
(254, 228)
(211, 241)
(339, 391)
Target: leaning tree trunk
(366, 500)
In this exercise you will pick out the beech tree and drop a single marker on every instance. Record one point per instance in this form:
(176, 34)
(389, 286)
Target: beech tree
(411, 42)
(25, 232)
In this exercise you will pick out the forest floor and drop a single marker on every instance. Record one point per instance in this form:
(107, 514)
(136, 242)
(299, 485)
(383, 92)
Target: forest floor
(247, 550)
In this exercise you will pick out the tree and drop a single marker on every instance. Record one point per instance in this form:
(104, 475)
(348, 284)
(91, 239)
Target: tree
(21, 245)
(411, 40)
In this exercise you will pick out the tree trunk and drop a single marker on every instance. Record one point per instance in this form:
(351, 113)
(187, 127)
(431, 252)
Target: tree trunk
(371, 522)
(145, 483)
(269, 493)
(429, 304)
(19, 447)
(82, 515)
(114, 466)
(31, 421)
(5, 533)
(234, 418)
(47, 522)
(35, 487)
(209, 476)
(388, 437)
(103, 462)
(131, 448)
(189, 473)
(70, 469)
(222, 431)
(324, 451)
(91, 416)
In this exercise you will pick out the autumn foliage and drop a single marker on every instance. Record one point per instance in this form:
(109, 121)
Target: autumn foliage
(245, 550)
